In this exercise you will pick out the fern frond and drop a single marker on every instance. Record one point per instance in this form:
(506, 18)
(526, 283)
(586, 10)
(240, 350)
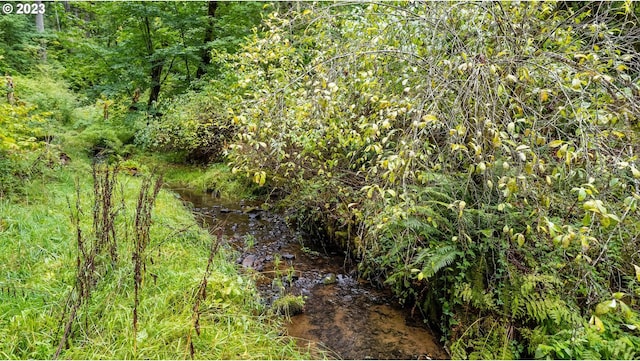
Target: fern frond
(432, 260)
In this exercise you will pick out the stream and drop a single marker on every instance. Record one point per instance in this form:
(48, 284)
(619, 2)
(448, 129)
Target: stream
(343, 315)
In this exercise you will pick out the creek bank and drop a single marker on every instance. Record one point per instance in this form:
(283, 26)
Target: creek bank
(342, 314)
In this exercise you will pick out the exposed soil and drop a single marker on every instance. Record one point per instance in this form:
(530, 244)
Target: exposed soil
(343, 315)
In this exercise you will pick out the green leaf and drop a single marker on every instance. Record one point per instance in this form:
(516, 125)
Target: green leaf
(429, 118)
(602, 308)
(582, 194)
(487, 232)
(626, 311)
(595, 206)
(542, 351)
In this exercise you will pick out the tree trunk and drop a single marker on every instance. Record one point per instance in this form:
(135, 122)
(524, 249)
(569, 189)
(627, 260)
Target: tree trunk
(39, 18)
(40, 29)
(156, 65)
(156, 72)
(208, 37)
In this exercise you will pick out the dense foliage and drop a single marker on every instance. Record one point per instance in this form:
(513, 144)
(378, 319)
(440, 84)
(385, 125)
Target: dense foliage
(480, 159)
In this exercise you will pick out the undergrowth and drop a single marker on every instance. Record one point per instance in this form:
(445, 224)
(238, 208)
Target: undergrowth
(38, 254)
(69, 283)
(480, 159)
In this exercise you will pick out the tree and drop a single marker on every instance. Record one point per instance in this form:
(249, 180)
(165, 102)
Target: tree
(208, 37)
(40, 29)
(18, 44)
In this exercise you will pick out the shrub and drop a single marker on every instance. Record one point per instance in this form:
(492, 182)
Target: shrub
(465, 168)
(49, 96)
(200, 124)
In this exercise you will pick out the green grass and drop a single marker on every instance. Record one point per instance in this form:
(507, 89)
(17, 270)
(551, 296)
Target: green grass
(38, 250)
(212, 178)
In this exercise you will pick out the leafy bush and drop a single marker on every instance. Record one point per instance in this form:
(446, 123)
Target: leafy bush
(48, 95)
(199, 124)
(18, 51)
(101, 140)
(481, 159)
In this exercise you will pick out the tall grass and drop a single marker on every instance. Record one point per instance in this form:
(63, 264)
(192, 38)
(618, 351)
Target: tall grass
(38, 250)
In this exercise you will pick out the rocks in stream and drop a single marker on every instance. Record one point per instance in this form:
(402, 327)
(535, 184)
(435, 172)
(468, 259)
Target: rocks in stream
(329, 279)
(249, 261)
(253, 262)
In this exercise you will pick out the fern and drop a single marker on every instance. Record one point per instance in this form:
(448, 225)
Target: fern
(432, 260)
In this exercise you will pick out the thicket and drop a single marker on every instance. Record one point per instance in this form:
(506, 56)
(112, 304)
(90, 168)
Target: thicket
(478, 158)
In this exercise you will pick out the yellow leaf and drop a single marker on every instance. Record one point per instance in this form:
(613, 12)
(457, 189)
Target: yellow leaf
(263, 178)
(544, 95)
(555, 143)
(260, 178)
(628, 8)
(429, 118)
(370, 193)
(637, 269)
(602, 308)
(618, 134)
(598, 323)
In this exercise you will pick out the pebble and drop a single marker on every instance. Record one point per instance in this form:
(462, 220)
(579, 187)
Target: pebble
(329, 279)
(248, 261)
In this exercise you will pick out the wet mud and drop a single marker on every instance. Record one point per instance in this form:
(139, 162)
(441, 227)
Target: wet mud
(343, 315)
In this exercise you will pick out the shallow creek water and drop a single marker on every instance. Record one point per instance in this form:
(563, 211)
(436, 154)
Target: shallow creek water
(343, 315)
